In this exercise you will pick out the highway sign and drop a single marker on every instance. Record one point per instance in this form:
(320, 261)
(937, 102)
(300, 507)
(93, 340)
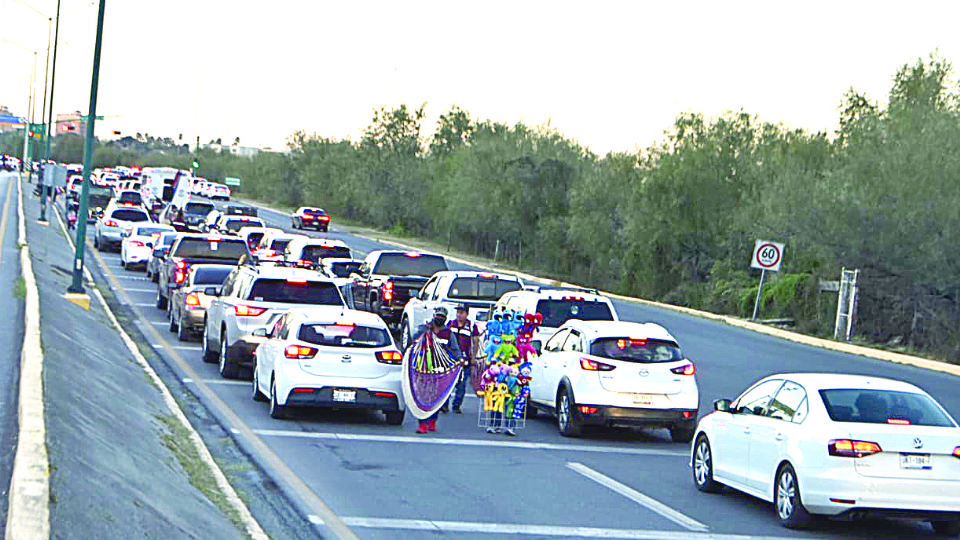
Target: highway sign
(231, 181)
(767, 255)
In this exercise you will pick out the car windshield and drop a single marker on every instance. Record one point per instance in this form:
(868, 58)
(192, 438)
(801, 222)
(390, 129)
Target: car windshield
(254, 238)
(403, 264)
(147, 231)
(556, 312)
(198, 208)
(134, 216)
(643, 351)
(295, 292)
(131, 197)
(481, 288)
(211, 275)
(314, 212)
(344, 269)
(203, 248)
(235, 225)
(871, 406)
(315, 253)
(344, 335)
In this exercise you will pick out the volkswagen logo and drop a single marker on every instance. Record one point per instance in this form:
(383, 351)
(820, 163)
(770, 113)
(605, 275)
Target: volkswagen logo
(644, 372)
(346, 358)
(917, 443)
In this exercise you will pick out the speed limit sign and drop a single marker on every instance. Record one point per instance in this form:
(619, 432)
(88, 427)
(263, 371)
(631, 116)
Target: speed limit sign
(767, 256)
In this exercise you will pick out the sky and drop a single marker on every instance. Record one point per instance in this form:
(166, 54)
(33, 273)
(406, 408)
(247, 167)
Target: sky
(611, 75)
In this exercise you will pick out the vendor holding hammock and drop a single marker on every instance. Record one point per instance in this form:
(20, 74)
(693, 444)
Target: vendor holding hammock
(443, 337)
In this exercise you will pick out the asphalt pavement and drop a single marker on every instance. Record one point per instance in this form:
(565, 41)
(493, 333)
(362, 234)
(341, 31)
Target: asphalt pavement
(11, 334)
(385, 482)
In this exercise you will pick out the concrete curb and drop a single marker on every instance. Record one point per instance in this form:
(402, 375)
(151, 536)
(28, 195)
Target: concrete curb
(898, 358)
(28, 514)
(250, 524)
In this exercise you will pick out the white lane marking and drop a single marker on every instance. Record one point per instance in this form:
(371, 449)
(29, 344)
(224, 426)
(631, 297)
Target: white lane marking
(133, 278)
(160, 323)
(131, 289)
(147, 304)
(540, 530)
(639, 498)
(315, 519)
(221, 381)
(186, 347)
(468, 442)
(187, 380)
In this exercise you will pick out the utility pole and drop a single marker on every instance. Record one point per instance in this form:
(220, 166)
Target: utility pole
(77, 285)
(44, 190)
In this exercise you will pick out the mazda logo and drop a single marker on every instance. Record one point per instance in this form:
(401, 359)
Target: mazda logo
(917, 443)
(644, 372)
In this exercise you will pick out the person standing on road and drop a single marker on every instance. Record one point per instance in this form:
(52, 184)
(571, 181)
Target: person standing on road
(467, 336)
(442, 336)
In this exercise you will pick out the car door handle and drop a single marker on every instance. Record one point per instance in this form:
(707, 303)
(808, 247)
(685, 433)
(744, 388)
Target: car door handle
(779, 437)
(746, 430)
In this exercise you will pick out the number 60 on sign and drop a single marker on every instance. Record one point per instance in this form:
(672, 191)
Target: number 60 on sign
(767, 256)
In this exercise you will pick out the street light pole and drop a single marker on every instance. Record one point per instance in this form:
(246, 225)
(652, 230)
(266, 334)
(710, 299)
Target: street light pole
(77, 285)
(44, 190)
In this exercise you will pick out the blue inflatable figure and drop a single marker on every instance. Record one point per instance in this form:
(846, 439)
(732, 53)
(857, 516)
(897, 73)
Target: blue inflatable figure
(494, 330)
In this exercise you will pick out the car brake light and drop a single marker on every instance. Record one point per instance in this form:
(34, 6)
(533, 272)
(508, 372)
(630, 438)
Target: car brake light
(488, 275)
(848, 448)
(299, 352)
(324, 218)
(296, 281)
(898, 421)
(136, 243)
(307, 216)
(592, 365)
(956, 452)
(586, 409)
(389, 357)
(192, 299)
(181, 265)
(688, 369)
(412, 254)
(578, 298)
(248, 311)
(268, 253)
(110, 223)
(388, 291)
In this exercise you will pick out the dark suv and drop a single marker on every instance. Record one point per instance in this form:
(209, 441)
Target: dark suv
(192, 249)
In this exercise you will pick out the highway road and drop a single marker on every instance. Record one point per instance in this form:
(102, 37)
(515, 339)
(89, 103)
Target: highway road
(384, 481)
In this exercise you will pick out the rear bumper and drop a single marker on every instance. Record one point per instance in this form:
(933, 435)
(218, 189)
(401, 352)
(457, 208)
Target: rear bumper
(241, 350)
(323, 397)
(321, 389)
(193, 319)
(877, 496)
(629, 416)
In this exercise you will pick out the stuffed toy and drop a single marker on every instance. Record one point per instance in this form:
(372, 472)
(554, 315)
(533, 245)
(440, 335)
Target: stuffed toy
(507, 352)
(524, 349)
(520, 402)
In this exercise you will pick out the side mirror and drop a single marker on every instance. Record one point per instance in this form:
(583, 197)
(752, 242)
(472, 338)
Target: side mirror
(536, 346)
(722, 405)
(482, 315)
(161, 252)
(260, 332)
(212, 291)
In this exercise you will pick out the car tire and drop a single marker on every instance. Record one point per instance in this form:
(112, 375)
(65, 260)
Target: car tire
(96, 242)
(682, 432)
(277, 411)
(787, 500)
(161, 301)
(183, 333)
(405, 336)
(566, 416)
(146, 268)
(122, 264)
(172, 324)
(256, 393)
(946, 528)
(228, 370)
(703, 467)
(532, 411)
(395, 418)
(209, 356)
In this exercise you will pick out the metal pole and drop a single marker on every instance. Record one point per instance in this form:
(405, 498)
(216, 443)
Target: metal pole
(77, 285)
(46, 71)
(46, 152)
(756, 304)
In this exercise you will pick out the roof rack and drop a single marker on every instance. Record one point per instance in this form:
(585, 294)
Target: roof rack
(541, 288)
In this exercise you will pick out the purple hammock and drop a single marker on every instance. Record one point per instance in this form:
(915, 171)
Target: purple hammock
(429, 376)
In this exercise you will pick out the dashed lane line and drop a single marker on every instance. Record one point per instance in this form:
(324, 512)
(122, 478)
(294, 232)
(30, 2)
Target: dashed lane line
(643, 500)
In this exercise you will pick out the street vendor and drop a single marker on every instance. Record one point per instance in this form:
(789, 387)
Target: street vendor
(468, 337)
(442, 336)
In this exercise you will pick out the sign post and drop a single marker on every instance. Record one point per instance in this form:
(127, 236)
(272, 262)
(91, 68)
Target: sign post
(766, 256)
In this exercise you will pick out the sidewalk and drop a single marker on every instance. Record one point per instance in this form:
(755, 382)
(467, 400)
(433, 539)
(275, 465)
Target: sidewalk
(117, 461)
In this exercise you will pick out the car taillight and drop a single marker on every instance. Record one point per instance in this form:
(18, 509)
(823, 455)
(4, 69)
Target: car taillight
(181, 265)
(956, 452)
(267, 253)
(389, 357)
(299, 352)
(592, 365)
(307, 216)
(110, 223)
(688, 369)
(388, 291)
(179, 276)
(192, 299)
(849, 448)
(324, 218)
(898, 421)
(248, 311)
(136, 243)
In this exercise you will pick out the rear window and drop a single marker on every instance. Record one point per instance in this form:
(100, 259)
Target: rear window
(315, 253)
(871, 406)
(198, 208)
(254, 238)
(280, 244)
(126, 214)
(314, 212)
(557, 312)
(334, 335)
(167, 239)
(480, 288)
(201, 248)
(211, 275)
(241, 210)
(131, 196)
(401, 264)
(295, 292)
(235, 225)
(636, 350)
(344, 269)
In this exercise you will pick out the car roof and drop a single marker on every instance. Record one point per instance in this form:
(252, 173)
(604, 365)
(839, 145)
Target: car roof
(826, 381)
(166, 228)
(284, 272)
(477, 273)
(601, 329)
(558, 293)
(202, 236)
(309, 240)
(334, 313)
(333, 260)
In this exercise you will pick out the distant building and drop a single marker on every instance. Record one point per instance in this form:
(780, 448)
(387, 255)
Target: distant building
(71, 123)
(242, 151)
(4, 111)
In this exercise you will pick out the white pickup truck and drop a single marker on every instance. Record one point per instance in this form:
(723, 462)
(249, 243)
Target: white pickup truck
(478, 290)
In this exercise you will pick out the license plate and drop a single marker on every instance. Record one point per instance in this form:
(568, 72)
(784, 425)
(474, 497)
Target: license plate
(643, 399)
(915, 461)
(345, 395)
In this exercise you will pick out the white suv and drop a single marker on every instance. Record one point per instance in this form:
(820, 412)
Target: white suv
(252, 297)
(557, 305)
(615, 373)
(115, 221)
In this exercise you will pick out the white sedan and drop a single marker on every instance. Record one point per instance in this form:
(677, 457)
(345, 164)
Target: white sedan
(834, 445)
(137, 244)
(329, 357)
